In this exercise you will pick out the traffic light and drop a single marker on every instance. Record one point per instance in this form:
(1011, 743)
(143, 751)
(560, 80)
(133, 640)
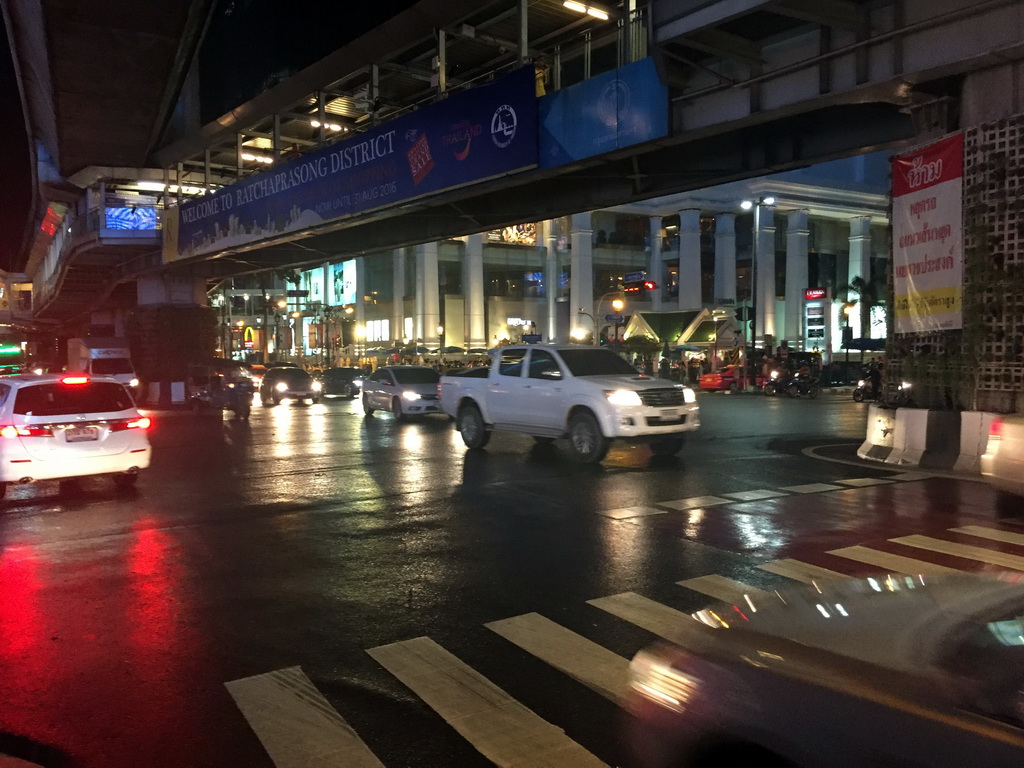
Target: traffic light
(639, 287)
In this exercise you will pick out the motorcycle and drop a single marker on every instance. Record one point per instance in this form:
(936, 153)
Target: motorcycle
(802, 385)
(221, 385)
(771, 387)
(865, 390)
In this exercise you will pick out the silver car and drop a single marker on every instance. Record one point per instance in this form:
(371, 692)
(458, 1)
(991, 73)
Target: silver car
(1003, 462)
(404, 390)
(885, 671)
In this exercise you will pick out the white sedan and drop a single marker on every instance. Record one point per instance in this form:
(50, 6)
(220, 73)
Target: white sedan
(60, 426)
(886, 671)
(404, 390)
(1003, 462)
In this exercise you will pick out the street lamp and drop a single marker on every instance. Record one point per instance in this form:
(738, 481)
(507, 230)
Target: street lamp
(746, 205)
(579, 334)
(618, 305)
(440, 338)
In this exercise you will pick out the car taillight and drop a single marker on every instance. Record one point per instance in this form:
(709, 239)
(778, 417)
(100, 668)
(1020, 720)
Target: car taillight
(142, 422)
(995, 429)
(12, 431)
(75, 380)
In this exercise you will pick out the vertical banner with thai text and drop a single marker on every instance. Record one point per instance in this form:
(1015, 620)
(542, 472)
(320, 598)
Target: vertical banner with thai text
(927, 237)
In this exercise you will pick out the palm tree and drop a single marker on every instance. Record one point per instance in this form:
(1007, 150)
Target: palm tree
(870, 293)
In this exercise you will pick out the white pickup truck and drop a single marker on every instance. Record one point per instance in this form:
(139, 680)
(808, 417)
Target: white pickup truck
(589, 395)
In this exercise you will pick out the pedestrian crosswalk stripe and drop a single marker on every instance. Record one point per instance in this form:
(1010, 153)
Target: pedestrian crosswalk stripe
(800, 571)
(1002, 559)
(811, 488)
(694, 502)
(295, 723)
(643, 612)
(864, 482)
(758, 495)
(909, 477)
(628, 512)
(721, 588)
(889, 562)
(1007, 537)
(585, 661)
(498, 726)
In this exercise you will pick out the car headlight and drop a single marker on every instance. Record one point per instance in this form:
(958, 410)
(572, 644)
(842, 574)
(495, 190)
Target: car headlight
(410, 395)
(657, 680)
(357, 383)
(281, 386)
(317, 386)
(623, 397)
(133, 383)
(689, 396)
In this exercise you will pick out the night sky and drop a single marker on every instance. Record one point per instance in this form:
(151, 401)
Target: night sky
(15, 180)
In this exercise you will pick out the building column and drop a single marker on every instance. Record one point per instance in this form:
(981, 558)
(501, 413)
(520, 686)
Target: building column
(725, 258)
(655, 264)
(860, 248)
(581, 283)
(474, 293)
(689, 260)
(429, 314)
(417, 312)
(551, 275)
(765, 235)
(360, 309)
(169, 329)
(797, 234)
(398, 294)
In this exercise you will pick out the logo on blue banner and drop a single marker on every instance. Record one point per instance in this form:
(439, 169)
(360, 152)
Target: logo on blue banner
(617, 109)
(436, 148)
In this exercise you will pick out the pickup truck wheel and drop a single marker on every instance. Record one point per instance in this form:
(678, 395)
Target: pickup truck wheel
(367, 409)
(588, 444)
(670, 446)
(472, 428)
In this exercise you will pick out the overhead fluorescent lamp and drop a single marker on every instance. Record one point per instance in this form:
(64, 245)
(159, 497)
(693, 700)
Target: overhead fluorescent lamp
(597, 13)
(572, 5)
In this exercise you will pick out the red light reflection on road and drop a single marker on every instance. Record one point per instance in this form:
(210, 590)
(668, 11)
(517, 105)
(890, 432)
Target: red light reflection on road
(21, 625)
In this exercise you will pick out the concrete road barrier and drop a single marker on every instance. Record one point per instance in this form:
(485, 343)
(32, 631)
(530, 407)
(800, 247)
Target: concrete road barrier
(923, 438)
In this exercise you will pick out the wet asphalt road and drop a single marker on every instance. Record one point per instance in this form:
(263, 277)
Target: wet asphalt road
(312, 533)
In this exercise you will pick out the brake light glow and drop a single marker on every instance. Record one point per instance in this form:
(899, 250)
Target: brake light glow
(143, 422)
(75, 380)
(11, 431)
(995, 429)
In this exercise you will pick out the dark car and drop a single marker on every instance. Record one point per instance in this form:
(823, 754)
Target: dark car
(342, 382)
(294, 383)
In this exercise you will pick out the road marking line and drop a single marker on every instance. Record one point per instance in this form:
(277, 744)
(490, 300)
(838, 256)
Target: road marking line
(864, 482)
(758, 495)
(890, 562)
(498, 726)
(722, 588)
(800, 571)
(295, 723)
(1003, 560)
(693, 502)
(643, 612)
(627, 512)
(811, 488)
(909, 477)
(991, 533)
(587, 662)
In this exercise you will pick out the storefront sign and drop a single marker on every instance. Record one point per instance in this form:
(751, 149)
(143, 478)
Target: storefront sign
(927, 210)
(815, 293)
(474, 135)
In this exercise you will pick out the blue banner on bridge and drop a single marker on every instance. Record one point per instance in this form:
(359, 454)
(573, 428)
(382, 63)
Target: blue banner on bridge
(620, 108)
(472, 136)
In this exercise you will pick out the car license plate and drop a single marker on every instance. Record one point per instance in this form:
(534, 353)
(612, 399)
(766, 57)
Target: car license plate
(669, 414)
(81, 434)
